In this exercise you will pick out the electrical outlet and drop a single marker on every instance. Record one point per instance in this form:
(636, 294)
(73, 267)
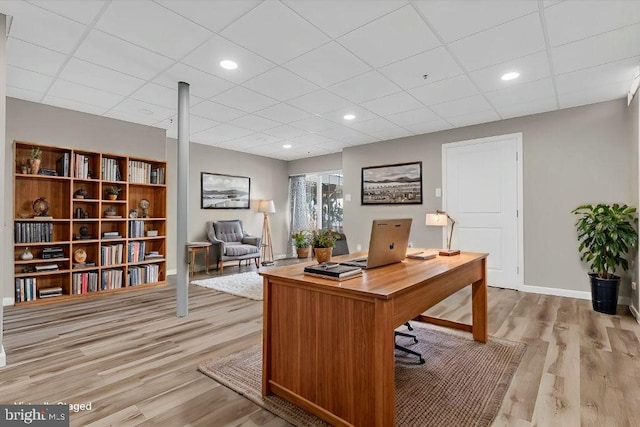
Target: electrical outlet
(634, 285)
(358, 247)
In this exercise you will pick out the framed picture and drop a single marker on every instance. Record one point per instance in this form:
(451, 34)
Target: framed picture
(219, 191)
(399, 184)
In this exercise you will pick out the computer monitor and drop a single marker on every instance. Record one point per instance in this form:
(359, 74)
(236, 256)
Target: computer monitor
(388, 243)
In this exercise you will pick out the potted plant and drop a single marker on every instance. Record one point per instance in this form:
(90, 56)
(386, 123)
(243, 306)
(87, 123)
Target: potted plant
(606, 233)
(323, 242)
(301, 242)
(35, 157)
(113, 192)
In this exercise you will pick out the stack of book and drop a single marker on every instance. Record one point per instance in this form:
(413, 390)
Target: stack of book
(135, 251)
(111, 255)
(111, 235)
(83, 283)
(333, 271)
(50, 292)
(46, 267)
(52, 252)
(25, 289)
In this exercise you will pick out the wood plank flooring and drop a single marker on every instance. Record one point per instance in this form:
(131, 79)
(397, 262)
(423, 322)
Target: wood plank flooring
(135, 361)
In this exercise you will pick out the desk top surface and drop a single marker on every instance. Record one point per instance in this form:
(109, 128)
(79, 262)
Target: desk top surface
(382, 282)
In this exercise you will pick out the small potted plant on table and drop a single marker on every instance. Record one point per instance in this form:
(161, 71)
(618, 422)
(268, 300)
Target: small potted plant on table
(301, 242)
(606, 234)
(113, 192)
(323, 242)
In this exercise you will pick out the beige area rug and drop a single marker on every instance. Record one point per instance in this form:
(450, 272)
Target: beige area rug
(462, 382)
(247, 285)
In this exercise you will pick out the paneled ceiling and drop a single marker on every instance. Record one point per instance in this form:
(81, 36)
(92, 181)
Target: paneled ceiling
(401, 67)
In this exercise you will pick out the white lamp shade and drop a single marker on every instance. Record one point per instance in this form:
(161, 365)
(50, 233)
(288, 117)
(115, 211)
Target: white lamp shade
(266, 206)
(439, 220)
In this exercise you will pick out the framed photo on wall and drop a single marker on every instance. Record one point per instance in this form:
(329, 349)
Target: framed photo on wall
(219, 191)
(398, 184)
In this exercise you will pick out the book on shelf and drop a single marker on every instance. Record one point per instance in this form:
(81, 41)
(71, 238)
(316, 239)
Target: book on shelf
(333, 271)
(46, 267)
(84, 265)
(50, 292)
(62, 164)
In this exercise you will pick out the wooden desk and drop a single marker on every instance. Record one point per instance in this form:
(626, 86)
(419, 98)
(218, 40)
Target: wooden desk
(328, 346)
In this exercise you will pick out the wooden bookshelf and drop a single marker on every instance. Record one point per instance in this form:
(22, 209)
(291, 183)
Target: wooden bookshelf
(78, 220)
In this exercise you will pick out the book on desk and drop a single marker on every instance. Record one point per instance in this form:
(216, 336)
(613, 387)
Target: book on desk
(333, 271)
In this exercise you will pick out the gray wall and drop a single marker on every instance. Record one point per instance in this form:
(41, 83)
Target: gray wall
(571, 157)
(268, 181)
(326, 163)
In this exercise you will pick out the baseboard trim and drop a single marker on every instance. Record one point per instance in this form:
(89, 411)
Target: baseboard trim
(3, 357)
(556, 291)
(8, 301)
(635, 313)
(172, 272)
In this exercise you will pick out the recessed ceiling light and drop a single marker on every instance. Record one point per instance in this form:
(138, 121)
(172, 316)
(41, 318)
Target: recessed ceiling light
(228, 64)
(510, 76)
(349, 116)
(145, 111)
(286, 146)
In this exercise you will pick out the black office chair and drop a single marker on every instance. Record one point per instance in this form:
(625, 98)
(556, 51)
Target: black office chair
(415, 340)
(341, 247)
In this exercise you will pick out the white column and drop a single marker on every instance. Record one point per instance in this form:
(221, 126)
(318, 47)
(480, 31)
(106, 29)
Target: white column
(182, 278)
(6, 274)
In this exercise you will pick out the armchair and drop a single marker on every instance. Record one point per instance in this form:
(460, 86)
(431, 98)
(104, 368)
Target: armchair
(229, 242)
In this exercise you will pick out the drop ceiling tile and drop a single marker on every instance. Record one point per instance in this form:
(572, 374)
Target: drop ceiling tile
(319, 102)
(367, 139)
(244, 99)
(594, 95)
(163, 96)
(152, 27)
(602, 75)
(254, 123)
(597, 50)
(88, 74)
(390, 104)
(361, 114)
(474, 118)
(364, 87)
(390, 38)
(207, 58)
(332, 146)
(454, 20)
(327, 65)
(265, 150)
(28, 80)
(437, 64)
(283, 113)
(280, 84)
(131, 118)
(417, 116)
(444, 90)
(463, 106)
(110, 52)
(213, 111)
(82, 11)
(53, 31)
(346, 135)
(31, 57)
(196, 125)
(27, 95)
(540, 105)
(214, 15)
(70, 104)
(285, 132)
(380, 128)
(314, 124)
(429, 127)
(310, 139)
(222, 133)
(531, 68)
(145, 110)
(201, 84)
(253, 140)
(337, 17)
(509, 41)
(525, 92)
(274, 30)
(84, 94)
(595, 17)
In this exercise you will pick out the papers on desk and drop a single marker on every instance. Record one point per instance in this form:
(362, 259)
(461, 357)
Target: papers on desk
(333, 271)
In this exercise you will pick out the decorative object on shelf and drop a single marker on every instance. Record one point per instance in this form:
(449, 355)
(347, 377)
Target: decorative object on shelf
(24, 215)
(80, 256)
(40, 207)
(79, 213)
(302, 241)
(152, 233)
(323, 242)
(113, 192)
(399, 184)
(26, 255)
(219, 191)
(84, 233)
(111, 212)
(133, 213)
(606, 234)
(266, 207)
(144, 205)
(35, 157)
(24, 169)
(80, 193)
(441, 219)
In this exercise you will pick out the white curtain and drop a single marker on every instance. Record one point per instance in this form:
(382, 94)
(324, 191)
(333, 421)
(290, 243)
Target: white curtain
(299, 208)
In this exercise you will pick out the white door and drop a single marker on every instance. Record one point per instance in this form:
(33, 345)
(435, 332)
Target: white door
(482, 181)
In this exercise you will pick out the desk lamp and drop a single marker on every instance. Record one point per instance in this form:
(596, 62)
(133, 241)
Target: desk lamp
(441, 219)
(266, 207)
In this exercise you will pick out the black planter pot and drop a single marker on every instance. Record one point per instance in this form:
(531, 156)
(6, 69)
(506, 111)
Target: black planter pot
(604, 293)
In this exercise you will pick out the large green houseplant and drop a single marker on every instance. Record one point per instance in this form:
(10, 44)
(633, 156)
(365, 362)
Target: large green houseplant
(606, 234)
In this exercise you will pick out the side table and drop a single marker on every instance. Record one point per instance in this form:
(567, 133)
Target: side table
(192, 248)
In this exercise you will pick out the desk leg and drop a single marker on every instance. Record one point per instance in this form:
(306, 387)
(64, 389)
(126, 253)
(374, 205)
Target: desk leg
(479, 306)
(206, 259)
(193, 259)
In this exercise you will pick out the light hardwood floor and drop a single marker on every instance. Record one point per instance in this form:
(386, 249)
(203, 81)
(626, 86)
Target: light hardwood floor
(136, 362)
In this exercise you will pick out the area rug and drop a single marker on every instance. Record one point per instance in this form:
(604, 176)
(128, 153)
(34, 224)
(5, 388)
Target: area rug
(462, 382)
(247, 285)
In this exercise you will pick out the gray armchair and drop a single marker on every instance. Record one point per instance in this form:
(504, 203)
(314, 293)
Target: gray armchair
(229, 242)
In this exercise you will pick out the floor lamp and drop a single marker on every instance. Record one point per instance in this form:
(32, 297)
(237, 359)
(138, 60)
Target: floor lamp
(441, 219)
(266, 207)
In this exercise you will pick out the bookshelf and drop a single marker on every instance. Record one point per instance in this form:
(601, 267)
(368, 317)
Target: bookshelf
(122, 241)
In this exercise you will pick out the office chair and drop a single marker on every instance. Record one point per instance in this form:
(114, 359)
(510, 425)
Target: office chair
(415, 340)
(341, 247)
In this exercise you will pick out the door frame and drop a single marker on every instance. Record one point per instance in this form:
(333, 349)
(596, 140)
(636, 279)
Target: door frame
(519, 186)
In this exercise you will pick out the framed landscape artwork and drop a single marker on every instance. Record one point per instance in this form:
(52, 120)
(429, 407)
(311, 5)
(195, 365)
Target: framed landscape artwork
(399, 184)
(219, 191)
